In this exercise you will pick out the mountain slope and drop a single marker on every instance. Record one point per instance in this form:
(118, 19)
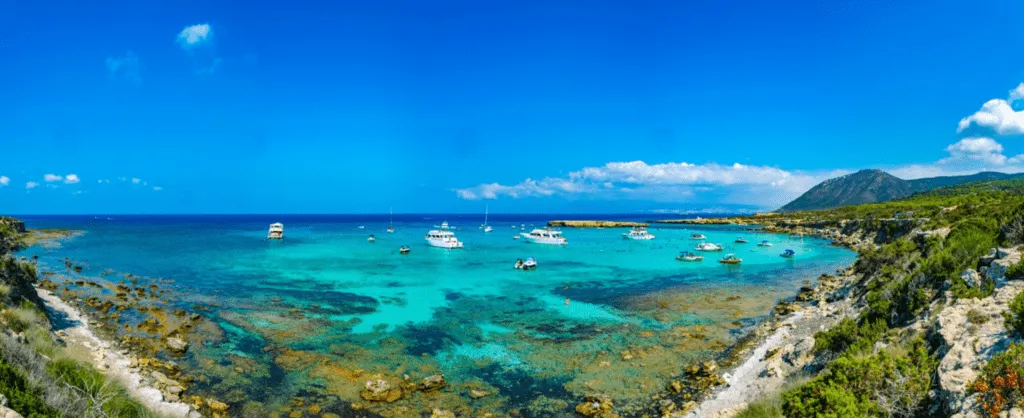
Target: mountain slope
(869, 186)
(920, 185)
(864, 186)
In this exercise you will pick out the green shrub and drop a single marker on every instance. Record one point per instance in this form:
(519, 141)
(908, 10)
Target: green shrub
(999, 385)
(770, 407)
(1015, 272)
(882, 384)
(1015, 317)
(976, 317)
(847, 334)
(20, 395)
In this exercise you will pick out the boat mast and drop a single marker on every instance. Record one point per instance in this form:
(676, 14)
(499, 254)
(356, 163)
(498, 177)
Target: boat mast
(485, 215)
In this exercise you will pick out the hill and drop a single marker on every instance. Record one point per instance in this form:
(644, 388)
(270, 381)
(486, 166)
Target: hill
(864, 186)
(870, 186)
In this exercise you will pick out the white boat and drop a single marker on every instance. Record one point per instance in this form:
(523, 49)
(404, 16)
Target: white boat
(639, 234)
(443, 238)
(529, 264)
(546, 236)
(276, 231)
(688, 256)
(362, 226)
(764, 243)
(487, 228)
(516, 236)
(698, 236)
(371, 239)
(707, 246)
(391, 222)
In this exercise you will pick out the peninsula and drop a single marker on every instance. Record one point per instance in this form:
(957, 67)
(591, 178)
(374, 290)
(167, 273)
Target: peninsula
(595, 224)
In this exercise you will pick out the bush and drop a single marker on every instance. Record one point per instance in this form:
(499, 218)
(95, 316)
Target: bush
(1015, 317)
(1000, 385)
(1015, 272)
(849, 335)
(20, 395)
(886, 384)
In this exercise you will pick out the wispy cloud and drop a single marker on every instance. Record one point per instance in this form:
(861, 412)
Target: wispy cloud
(31, 185)
(664, 181)
(103, 181)
(126, 67)
(4, 180)
(195, 35)
(71, 179)
(50, 178)
(157, 188)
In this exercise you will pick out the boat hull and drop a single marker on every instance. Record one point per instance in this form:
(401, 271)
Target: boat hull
(545, 241)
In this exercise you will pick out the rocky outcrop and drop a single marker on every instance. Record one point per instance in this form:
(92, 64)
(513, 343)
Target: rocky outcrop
(595, 224)
(972, 330)
(5, 410)
(381, 390)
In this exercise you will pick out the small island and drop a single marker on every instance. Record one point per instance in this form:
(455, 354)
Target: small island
(596, 224)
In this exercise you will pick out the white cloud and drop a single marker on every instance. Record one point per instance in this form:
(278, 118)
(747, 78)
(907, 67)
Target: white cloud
(1017, 93)
(31, 185)
(157, 188)
(127, 67)
(4, 180)
(103, 181)
(136, 180)
(985, 150)
(52, 178)
(71, 179)
(662, 182)
(998, 115)
(194, 35)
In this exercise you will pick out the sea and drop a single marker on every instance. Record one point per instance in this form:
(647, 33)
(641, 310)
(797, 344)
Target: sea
(309, 319)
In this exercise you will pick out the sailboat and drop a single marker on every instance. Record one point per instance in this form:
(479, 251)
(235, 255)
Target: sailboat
(487, 228)
(391, 222)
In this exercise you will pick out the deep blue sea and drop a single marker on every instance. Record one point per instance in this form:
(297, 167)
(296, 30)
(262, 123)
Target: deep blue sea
(319, 312)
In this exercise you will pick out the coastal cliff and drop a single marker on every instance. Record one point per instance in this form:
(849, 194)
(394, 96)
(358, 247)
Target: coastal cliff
(927, 322)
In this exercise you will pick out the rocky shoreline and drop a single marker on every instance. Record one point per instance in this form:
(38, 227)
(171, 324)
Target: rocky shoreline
(113, 362)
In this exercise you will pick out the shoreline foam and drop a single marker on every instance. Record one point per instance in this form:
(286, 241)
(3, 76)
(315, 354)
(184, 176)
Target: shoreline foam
(111, 362)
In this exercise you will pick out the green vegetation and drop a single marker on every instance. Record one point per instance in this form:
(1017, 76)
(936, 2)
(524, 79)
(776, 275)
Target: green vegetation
(905, 277)
(887, 383)
(1015, 317)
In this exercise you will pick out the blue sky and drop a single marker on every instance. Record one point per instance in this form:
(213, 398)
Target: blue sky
(596, 106)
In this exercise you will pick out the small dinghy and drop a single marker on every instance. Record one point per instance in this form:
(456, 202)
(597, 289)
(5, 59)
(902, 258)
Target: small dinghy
(787, 254)
(404, 250)
(698, 236)
(764, 243)
(741, 240)
(730, 259)
(688, 256)
(371, 239)
(516, 236)
(529, 264)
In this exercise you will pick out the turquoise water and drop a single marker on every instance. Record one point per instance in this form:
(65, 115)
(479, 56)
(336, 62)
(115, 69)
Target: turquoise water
(467, 313)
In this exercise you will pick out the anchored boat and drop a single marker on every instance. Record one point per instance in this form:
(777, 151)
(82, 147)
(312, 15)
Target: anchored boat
(546, 236)
(688, 256)
(443, 237)
(730, 259)
(707, 246)
(276, 231)
(638, 234)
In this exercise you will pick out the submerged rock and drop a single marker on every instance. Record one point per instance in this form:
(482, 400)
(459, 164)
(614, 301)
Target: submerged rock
(434, 382)
(176, 345)
(477, 394)
(600, 407)
(380, 390)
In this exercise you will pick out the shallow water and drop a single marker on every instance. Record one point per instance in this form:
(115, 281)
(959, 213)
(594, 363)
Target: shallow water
(315, 314)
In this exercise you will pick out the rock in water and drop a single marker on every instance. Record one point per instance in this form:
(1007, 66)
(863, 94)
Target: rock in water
(380, 390)
(177, 345)
(434, 382)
